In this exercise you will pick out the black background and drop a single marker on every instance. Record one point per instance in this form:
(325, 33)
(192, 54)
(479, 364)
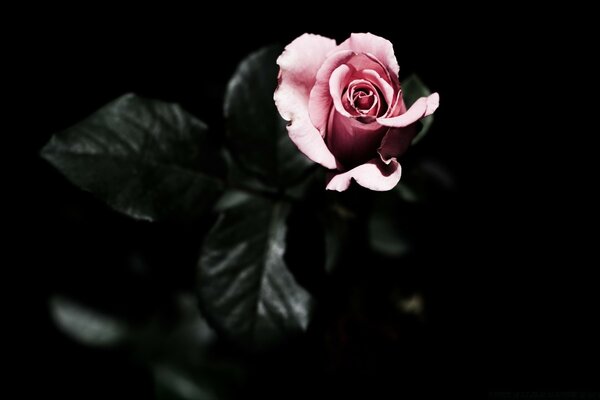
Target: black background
(506, 267)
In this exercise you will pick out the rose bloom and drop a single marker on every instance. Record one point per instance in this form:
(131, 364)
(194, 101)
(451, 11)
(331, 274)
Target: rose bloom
(345, 108)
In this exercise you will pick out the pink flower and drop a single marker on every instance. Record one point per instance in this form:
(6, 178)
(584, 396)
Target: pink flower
(345, 108)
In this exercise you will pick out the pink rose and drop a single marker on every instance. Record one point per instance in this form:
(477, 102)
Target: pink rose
(345, 108)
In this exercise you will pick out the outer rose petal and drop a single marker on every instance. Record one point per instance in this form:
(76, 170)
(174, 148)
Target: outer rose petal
(379, 47)
(374, 175)
(299, 64)
(421, 108)
(395, 142)
(352, 142)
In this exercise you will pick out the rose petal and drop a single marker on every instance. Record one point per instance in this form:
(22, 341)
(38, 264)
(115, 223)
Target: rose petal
(391, 78)
(397, 108)
(360, 62)
(299, 64)
(382, 49)
(353, 142)
(395, 142)
(366, 104)
(320, 100)
(374, 175)
(421, 108)
(386, 89)
(367, 61)
(303, 57)
(345, 104)
(337, 83)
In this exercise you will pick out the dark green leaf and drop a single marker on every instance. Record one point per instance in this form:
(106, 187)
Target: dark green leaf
(412, 89)
(146, 158)
(238, 177)
(231, 198)
(256, 132)
(86, 325)
(244, 284)
(174, 384)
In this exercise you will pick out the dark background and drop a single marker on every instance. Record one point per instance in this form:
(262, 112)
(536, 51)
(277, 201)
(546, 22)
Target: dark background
(512, 302)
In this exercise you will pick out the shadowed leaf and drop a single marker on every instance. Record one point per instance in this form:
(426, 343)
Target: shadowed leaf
(86, 325)
(256, 132)
(145, 158)
(244, 284)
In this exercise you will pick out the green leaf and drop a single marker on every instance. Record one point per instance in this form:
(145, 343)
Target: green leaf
(86, 325)
(244, 284)
(238, 177)
(412, 89)
(255, 131)
(145, 158)
(174, 384)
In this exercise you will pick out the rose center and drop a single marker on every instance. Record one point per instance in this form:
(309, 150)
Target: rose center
(363, 100)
